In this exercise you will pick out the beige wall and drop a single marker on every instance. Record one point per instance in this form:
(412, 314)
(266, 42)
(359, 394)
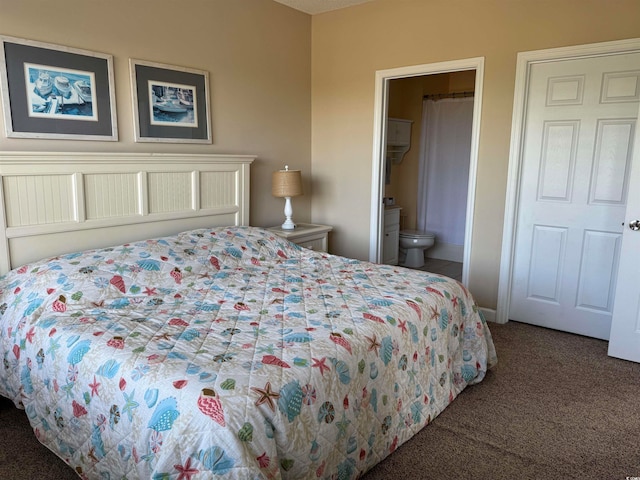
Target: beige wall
(257, 53)
(271, 98)
(405, 101)
(350, 45)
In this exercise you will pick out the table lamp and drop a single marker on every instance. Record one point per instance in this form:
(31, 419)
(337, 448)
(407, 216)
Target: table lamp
(287, 183)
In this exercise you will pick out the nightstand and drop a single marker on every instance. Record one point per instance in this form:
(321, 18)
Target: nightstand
(307, 235)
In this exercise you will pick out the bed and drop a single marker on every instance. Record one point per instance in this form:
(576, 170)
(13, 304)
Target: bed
(226, 350)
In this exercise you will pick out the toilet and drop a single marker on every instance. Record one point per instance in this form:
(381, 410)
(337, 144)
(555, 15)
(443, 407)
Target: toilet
(413, 244)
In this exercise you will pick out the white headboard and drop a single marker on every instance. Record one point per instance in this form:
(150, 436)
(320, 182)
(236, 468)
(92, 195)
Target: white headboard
(54, 203)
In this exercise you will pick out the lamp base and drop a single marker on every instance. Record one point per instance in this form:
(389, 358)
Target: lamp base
(288, 212)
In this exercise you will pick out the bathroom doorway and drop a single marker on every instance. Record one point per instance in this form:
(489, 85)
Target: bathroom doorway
(430, 181)
(400, 94)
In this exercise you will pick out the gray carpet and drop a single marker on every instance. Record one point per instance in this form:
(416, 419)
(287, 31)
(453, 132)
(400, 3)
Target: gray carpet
(555, 407)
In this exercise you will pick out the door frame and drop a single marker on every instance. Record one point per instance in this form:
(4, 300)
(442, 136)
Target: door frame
(523, 68)
(383, 77)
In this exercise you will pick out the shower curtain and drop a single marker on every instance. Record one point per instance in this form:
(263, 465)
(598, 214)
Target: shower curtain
(444, 169)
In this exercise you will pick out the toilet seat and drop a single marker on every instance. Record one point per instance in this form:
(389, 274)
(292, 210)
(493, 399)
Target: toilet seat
(416, 234)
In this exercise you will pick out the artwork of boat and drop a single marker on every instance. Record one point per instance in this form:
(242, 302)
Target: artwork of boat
(84, 90)
(44, 85)
(38, 104)
(185, 97)
(54, 104)
(52, 93)
(63, 86)
(170, 106)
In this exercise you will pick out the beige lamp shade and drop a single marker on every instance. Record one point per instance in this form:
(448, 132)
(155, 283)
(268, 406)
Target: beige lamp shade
(286, 183)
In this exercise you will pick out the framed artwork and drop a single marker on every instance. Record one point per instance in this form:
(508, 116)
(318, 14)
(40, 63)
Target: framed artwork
(170, 104)
(51, 91)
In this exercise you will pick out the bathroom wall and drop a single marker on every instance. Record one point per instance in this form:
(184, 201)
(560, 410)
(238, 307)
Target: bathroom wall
(405, 101)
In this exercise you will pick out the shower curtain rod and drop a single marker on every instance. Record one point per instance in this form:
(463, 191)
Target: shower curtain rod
(439, 96)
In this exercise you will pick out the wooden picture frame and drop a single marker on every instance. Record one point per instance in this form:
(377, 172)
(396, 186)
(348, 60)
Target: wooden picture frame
(170, 103)
(57, 92)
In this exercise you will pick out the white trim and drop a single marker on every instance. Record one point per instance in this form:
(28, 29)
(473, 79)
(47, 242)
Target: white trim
(379, 134)
(489, 314)
(524, 62)
(381, 101)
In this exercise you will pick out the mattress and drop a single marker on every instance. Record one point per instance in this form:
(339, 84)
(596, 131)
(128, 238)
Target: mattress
(232, 352)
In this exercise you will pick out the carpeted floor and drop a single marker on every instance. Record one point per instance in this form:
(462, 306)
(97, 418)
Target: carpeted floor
(555, 407)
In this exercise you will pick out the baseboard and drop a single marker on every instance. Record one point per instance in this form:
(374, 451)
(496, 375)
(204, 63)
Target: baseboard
(446, 251)
(489, 314)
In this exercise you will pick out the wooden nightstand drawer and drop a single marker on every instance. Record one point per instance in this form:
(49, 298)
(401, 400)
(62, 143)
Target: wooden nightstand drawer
(307, 235)
(314, 243)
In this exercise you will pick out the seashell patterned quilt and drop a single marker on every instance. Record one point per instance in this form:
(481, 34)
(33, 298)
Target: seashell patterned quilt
(232, 352)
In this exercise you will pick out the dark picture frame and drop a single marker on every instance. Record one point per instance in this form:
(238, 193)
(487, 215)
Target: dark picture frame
(170, 103)
(56, 92)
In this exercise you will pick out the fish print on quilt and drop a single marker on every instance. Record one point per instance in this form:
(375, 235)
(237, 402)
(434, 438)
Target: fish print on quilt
(232, 352)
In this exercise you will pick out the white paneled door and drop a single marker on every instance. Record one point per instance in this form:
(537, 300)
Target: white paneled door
(624, 341)
(577, 157)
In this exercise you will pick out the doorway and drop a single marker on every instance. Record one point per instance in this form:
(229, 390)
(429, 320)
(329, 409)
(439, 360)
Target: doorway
(384, 89)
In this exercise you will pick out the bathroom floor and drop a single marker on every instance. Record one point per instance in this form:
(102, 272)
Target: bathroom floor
(443, 267)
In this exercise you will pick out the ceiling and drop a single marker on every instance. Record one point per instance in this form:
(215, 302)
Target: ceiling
(318, 6)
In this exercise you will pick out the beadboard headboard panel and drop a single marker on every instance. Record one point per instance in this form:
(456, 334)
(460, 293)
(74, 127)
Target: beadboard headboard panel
(56, 203)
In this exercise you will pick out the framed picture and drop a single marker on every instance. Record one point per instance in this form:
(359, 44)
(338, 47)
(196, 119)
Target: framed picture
(50, 91)
(170, 104)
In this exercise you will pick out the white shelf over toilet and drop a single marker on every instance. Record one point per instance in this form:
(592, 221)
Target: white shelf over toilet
(398, 138)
